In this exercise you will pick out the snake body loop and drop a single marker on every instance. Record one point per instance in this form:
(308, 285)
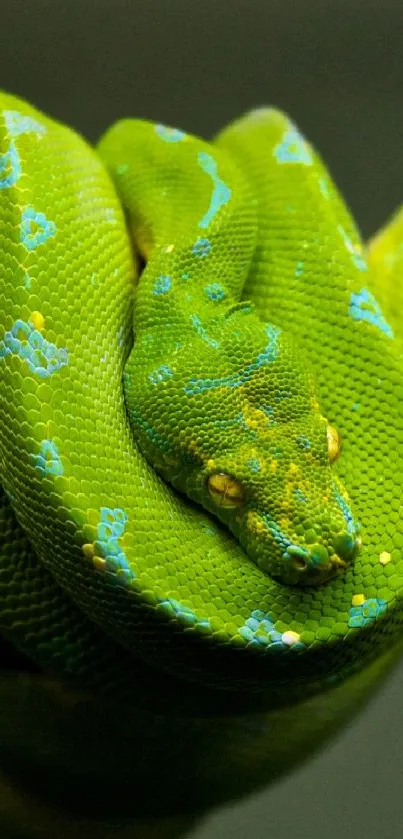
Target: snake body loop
(200, 465)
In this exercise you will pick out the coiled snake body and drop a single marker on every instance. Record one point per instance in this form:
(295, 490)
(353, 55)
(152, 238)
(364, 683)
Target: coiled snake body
(170, 437)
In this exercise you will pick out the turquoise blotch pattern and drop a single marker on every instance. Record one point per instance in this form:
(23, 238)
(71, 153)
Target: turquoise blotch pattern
(43, 358)
(363, 306)
(109, 530)
(48, 459)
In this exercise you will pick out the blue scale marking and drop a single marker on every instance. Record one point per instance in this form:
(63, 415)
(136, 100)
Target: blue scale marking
(170, 135)
(293, 148)
(10, 167)
(356, 256)
(238, 420)
(18, 123)
(259, 631)
(162, 285)
(269, 411)
(239, 378)
(215, 292)
(183, 613)
(304, 442)
(42, 357)
(367, 612)
(221, 192)
(324, 187)
(35, 228)
(201, 247)
(282, 540)
(200, 329)
(109, 530)
(161, 374)
(254, 464)
(345, 510)
(279, 537)
(48, 459)
(363, 306)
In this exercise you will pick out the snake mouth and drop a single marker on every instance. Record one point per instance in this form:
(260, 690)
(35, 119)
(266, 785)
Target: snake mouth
(313, 566)
(301, 572)
(300, 562)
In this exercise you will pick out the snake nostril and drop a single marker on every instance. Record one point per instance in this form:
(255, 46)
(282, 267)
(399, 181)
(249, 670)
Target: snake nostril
(300, 562)
(298, 556)
(317, 562)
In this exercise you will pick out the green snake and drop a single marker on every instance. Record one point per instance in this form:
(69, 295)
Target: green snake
(201, 434)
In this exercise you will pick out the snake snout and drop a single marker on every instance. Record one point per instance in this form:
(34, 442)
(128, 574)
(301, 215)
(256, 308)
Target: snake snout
(315, 564)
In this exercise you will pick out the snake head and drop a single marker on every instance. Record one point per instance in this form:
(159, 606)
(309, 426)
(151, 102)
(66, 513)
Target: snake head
(284, 504)
(241, 433)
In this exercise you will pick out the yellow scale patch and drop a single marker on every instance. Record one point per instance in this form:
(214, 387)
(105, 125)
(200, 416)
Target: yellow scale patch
(38, 321)
(358, 599)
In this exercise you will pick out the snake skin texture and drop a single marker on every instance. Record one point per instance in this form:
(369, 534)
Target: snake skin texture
(200, 461)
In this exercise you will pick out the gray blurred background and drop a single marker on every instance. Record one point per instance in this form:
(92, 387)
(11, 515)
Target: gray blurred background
(336, 67)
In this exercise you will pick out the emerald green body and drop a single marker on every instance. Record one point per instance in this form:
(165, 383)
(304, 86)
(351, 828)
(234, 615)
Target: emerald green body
(298, 584)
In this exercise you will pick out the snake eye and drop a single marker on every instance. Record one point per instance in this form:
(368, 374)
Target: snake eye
(333, 443)
(225, 490)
